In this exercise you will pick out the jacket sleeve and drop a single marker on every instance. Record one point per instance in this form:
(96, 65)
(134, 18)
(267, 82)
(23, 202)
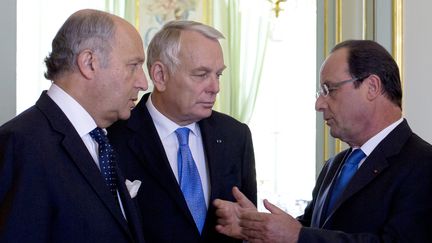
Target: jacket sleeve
(249, 184)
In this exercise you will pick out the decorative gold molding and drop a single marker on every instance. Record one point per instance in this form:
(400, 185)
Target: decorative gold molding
(338, 21)
(325, 49)
(397, 45)
(338, 39)
(338, 145)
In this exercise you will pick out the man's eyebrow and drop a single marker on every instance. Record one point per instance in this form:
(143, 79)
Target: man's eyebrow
(136, 59)
(222, 69)
(201, 68)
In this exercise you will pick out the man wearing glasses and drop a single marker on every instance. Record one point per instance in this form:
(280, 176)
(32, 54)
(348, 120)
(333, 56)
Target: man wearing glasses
(378, 190)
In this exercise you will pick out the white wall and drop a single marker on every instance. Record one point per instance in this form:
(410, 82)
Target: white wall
(7, 60)
(418, 66)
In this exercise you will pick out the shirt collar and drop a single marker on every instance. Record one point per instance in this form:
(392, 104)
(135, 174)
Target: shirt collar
(373, 142)
(163, 124)
(77, 115)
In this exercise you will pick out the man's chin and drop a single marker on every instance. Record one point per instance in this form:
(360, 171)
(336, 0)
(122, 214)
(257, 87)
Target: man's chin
(124, 115)
(209, 112)
(205, 113)
(334, 133)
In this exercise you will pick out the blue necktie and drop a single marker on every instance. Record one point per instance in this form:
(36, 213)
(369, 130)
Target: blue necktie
(348, 170)
(107, 162)
(189, 179)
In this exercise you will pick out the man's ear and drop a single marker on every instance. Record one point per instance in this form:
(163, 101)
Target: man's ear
(86, 62)
(159, 74)
(374, 86)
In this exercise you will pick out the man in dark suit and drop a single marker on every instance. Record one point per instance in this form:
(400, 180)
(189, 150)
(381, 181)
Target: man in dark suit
(184, 61)
(51, 186)
(384, 195)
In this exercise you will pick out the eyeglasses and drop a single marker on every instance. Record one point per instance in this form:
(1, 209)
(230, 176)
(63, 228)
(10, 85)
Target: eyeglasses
(326, 89)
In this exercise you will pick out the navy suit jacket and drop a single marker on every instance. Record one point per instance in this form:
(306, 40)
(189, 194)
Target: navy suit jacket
(166, 217)
(389, 199)
(50, 187)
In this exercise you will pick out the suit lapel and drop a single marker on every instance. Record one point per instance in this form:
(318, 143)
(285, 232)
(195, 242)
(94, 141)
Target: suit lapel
(319, 212)
(375, 163)
(131, 210)
(214, 144)
(75, 148)
(148, 148)
(366, 173)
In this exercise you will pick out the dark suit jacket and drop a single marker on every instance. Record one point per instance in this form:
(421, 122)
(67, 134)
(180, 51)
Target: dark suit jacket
(166, 218)
(50, 187)
(389, 199)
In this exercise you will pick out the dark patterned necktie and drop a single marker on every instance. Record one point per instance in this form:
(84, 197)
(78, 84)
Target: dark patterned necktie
(107, 161)
(189, 179)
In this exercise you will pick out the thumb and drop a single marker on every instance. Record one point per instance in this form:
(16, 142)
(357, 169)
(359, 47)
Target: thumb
(272, 208)
(241, 199)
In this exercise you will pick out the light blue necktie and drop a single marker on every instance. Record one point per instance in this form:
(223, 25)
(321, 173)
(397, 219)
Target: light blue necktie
(348, 170)
(189, 179)
(106, 159)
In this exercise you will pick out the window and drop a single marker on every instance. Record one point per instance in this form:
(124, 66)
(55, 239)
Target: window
(283, 122)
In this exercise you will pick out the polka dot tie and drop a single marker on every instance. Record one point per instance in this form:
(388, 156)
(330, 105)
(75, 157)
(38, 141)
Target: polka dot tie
(189, 179)
(107, 162)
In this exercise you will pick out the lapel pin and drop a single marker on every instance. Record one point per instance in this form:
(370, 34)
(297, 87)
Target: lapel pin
(375, 171)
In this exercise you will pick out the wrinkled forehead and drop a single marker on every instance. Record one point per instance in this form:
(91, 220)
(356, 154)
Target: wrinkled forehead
(196, 47)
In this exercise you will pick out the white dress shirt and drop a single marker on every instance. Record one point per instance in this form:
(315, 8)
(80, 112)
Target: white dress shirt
(78, 116)
(81, 121)
(166, 130)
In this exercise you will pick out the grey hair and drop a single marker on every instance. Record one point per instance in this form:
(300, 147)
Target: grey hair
(85, 29)
(165, 45)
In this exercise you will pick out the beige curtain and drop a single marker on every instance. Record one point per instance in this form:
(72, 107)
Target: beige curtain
(245, 30)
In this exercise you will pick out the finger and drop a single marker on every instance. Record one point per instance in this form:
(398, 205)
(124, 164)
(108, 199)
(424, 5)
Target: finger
(252, 216)
(257, 226)
(223, 207)
(223, 219)
(250, 225)
(221, 229)
(221, 212)
(218, 203)
(230, 230)
(242, 200)
(272, 208)
(252, 235)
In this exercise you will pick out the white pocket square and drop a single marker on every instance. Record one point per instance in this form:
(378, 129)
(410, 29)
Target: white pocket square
(133, 187)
